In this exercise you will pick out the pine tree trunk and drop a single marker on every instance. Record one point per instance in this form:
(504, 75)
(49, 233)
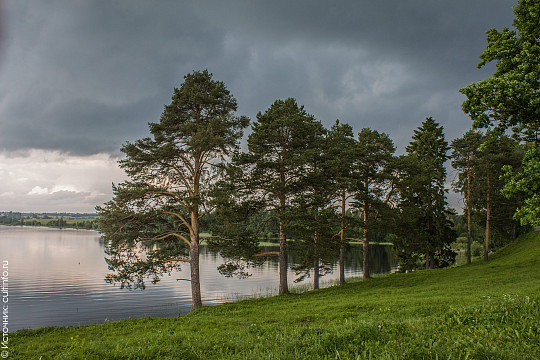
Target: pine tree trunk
(342, 263)
(316, 264)
(283, 286)
(316, 274)
(342, 246)
(468, 215)
(196, 300)
(488, 216)
(365, 243)
(430, 260)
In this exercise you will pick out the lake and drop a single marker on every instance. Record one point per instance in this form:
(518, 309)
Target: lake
(56, 278)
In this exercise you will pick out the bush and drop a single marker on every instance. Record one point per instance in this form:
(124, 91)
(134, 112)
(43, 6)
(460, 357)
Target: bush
(476, 249)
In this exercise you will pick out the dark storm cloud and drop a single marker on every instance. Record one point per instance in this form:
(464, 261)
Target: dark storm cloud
(85, 76)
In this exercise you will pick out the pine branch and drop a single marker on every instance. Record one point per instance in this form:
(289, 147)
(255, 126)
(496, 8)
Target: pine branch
(276, 253)
(181, 219)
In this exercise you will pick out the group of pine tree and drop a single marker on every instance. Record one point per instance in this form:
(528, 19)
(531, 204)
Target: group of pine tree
(321, 189)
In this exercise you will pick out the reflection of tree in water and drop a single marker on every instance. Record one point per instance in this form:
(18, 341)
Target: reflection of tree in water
(381, 257)
(101, 241)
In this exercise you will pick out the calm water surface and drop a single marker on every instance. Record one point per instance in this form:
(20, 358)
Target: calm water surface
(56, 277)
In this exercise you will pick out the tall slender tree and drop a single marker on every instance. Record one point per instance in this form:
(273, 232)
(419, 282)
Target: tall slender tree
(341, 155)
(272, 171)
(488, 170)
(465, 154)
(313, 220)
(167, 195)
(375, 182)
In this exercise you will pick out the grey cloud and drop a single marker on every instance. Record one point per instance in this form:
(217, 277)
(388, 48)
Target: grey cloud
(82, 201)
(90, 75)
(85, 76)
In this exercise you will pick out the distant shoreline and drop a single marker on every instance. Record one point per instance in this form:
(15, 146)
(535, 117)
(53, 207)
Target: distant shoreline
(46, 227)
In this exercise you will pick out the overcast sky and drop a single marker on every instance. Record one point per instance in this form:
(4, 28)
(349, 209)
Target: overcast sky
(80, 78)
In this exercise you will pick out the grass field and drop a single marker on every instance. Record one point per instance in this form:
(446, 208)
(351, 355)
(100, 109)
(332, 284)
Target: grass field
(479, 311)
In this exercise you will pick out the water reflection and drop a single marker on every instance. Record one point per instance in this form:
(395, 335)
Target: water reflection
(56, 277)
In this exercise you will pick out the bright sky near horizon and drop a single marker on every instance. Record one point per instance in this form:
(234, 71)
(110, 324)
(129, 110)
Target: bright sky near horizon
(80, 78)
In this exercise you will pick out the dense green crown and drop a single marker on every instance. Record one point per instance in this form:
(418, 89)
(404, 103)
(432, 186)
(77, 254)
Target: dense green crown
(170, 175)
(430, 148)
(198, 121)
(279, 146)
(510, 99)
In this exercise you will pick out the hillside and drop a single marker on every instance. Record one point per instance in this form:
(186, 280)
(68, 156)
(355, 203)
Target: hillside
(480, 311)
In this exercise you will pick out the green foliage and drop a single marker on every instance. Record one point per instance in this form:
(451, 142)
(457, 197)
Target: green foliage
(480, 160)
(424, 228)
(374, 185)
(311, 219)
(510, 98)
(465, 153)
(77, 223)
(465, 156)
(374, 176)
(235, 234)
(478, 311)
(488, 171)
(267, 178)
(341, 147)
(524, 183)
(159, 209)
(277, 149)
(341, 150)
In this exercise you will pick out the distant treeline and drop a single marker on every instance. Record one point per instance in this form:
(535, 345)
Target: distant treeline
(82, 223)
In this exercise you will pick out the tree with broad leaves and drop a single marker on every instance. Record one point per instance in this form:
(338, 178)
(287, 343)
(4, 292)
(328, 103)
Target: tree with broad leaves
(160, 207)
(510, 99)
(525, 183)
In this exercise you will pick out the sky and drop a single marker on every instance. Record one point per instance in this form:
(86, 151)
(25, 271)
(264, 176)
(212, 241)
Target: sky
(80, 78)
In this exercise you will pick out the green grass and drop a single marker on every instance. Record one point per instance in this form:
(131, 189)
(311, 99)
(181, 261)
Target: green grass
(478, 311)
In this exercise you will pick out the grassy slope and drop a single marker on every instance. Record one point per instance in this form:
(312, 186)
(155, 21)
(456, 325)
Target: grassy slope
(481, 311)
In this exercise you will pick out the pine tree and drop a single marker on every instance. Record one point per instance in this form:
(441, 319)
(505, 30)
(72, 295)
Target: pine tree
(425, 228)
(465, 154)
(312, 219)
(494, 155)
(268, 178)
(341, 155)
(161, 206)
(374, 179)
